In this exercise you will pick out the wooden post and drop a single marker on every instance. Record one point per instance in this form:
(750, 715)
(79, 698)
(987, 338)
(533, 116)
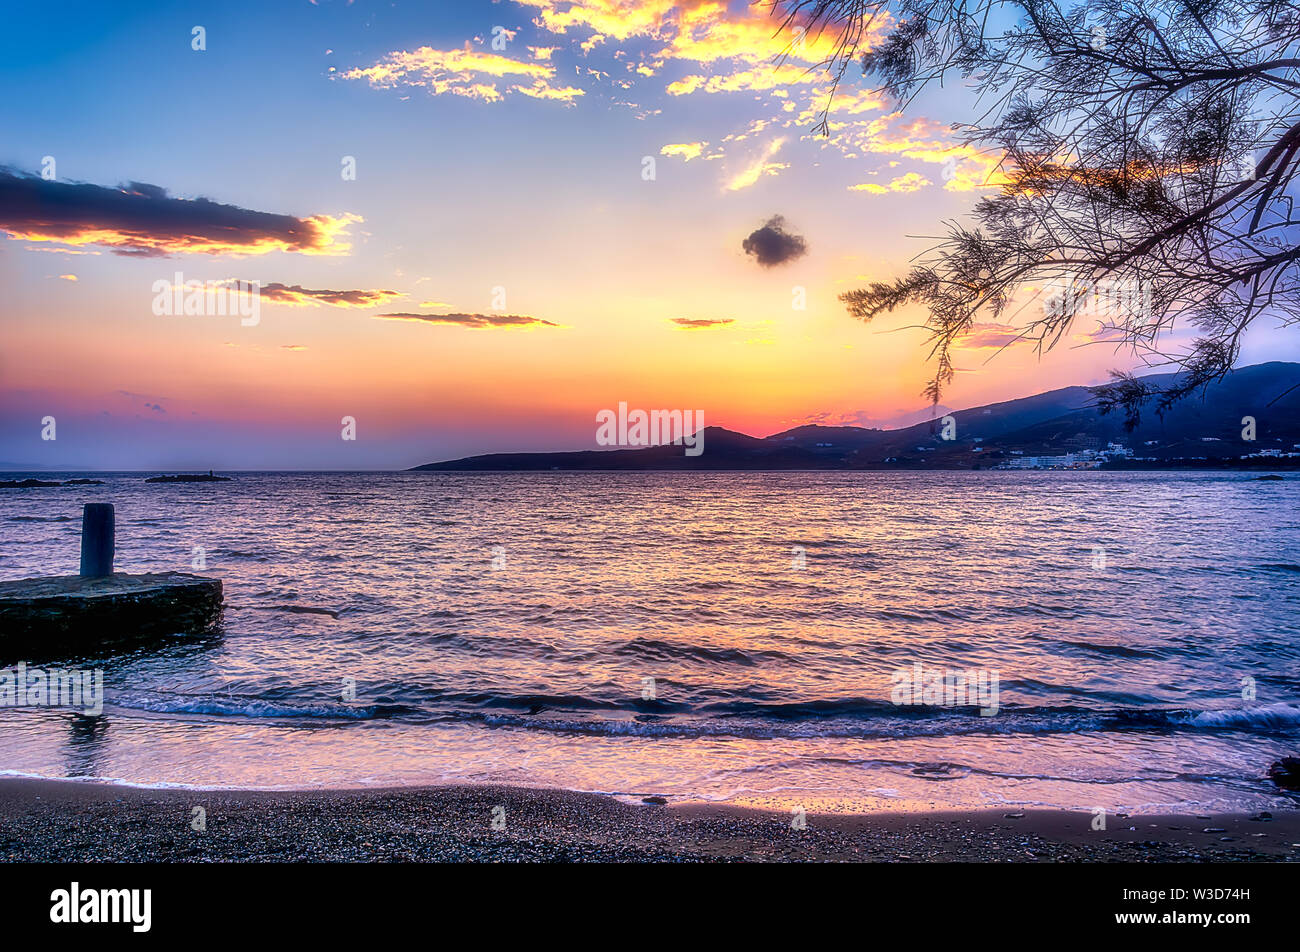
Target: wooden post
(97, 530)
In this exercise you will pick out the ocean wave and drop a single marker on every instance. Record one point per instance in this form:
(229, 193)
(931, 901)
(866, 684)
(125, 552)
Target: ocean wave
(1117, 651)
(1279, 715)
(218, 705)
(857, 717)
(665, 650)
(760, 730)
(292, 609)
(873, 720)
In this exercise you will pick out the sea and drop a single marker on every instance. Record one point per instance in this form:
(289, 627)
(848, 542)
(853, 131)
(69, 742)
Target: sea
(854, 642)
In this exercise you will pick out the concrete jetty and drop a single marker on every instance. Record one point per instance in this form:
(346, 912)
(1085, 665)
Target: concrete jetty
(100, 605)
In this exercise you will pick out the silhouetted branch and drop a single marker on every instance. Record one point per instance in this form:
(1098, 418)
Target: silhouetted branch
(1129, 136)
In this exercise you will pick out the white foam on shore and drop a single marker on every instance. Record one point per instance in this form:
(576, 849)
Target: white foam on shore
(1281, 714)
(175, 785)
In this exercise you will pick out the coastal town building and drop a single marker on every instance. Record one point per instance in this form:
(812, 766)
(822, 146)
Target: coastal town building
(1083, 459)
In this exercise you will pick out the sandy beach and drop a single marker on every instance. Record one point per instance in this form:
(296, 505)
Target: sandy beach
(66, 821)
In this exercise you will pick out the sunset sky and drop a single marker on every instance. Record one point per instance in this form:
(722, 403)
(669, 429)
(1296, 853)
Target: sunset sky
(519, 169)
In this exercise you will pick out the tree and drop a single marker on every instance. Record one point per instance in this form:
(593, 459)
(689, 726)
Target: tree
(1149, 151)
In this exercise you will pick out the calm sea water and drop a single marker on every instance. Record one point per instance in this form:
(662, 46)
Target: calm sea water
(508, 629)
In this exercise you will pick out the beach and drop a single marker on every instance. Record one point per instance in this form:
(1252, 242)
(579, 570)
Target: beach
(69, 821)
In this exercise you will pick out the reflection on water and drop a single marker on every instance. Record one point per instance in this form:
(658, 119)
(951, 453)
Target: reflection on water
(83, 744)
(726, 636)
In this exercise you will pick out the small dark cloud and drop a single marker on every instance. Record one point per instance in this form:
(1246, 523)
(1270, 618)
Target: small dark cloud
(773, 245)
(471, 320)
(693, 323)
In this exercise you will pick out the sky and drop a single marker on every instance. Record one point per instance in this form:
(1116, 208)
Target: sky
(474, 226)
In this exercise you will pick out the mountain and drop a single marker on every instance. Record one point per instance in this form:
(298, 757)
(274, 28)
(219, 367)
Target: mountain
(1201, 430)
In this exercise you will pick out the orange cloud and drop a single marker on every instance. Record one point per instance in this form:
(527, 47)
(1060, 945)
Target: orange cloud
(620, 19)
(965, 168)
(904, 183)
(702, 31)
(849, 102)
(465, 72)
(470, 320)
(758, 167)
(687, 150)
(759, 79)
(694, 324)
(298, 296)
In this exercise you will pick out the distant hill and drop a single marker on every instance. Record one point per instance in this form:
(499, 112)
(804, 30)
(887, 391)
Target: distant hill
(1203, 429)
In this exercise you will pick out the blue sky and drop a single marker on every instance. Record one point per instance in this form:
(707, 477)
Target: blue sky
(457, 194)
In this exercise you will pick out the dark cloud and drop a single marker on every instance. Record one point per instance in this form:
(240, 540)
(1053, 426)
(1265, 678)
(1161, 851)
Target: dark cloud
(471, 320)
(143, 220)
(693, 323)
(146, 190)
(773, 245)
(298, 295)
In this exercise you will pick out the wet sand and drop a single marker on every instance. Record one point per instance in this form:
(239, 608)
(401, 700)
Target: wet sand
(68, 821)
